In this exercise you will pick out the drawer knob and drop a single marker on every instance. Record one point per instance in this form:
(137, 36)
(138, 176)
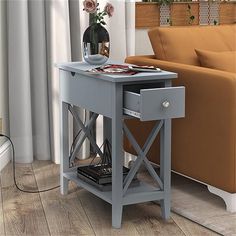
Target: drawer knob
(166, 104)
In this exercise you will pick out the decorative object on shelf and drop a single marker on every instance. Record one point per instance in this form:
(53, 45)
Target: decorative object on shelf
(214, 10)
(209, 12)
(165, 19)
(96, 40)
(184, 13)
(203, 13)
(191, 17)
(100, 174)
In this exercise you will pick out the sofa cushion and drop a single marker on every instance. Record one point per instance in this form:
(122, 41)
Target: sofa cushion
(177, 44)
(225, 61)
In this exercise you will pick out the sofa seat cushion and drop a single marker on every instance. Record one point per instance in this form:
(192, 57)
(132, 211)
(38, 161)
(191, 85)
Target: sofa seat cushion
(177, 44)
(225, 61)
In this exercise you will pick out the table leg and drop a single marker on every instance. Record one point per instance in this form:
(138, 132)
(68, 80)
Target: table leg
(64, 165)
(165, 167)
(117, 156)
(107, 128)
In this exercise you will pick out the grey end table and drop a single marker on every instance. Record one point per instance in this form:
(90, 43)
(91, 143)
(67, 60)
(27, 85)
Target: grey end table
(144, 96)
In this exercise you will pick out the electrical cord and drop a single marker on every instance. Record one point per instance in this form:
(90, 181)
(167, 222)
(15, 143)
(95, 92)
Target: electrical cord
(14, 164)
(96, 155)
(14, 171)
(106, 159)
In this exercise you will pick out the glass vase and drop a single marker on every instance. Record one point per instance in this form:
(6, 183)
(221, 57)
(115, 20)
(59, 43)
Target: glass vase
(96, 44)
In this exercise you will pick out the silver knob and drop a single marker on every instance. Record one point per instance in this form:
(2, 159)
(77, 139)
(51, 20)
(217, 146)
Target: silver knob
(166, 104)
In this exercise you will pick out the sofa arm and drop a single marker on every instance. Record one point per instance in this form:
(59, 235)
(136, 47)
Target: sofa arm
(203, 143)
(181, 69)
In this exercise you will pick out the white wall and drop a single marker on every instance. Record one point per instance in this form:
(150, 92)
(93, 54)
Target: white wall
(142, 43)
(3, 67)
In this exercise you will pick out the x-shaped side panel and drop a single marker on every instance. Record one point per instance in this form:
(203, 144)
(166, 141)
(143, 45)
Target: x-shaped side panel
(86, 130)
(142, 155)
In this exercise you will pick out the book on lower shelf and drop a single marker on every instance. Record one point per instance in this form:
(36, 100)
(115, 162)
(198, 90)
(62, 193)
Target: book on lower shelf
(105, 187)
(100, 176)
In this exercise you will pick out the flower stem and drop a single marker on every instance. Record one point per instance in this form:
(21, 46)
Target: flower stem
(92, 18)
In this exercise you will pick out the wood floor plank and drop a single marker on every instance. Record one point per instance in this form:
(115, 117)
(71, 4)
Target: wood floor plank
(23, 212)
(78, 213)
(190, 228)
(99, 214)
(2, 229)
(139, 219)
(148, 220)
(65, 215)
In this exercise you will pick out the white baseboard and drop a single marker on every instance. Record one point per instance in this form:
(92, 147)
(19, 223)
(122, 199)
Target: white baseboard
(5, 153)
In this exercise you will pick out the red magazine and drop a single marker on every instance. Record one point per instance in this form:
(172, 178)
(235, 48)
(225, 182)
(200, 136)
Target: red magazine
(113, 69)
(124, 69)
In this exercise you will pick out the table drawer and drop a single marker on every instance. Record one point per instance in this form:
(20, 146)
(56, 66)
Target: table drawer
(86, 92)
(155, 103)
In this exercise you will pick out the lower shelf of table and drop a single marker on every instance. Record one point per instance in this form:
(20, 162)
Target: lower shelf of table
(142, 193)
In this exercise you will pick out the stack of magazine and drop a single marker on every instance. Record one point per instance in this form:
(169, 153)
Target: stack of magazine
(100, 176)
(123, 69)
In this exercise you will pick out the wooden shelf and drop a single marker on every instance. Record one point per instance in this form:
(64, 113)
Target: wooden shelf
(228, 13)
(135, 194)
(148, 14)
(180, 16)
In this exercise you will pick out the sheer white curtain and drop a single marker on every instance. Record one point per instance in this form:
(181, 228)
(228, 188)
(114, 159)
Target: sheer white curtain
(3, 68)
(41, 33)
(38, 36)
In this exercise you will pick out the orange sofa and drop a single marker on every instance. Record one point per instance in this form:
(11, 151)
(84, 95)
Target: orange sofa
(204, 142)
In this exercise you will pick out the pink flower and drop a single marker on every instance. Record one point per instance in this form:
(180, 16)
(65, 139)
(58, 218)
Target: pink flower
(109, 9)
(90, 6)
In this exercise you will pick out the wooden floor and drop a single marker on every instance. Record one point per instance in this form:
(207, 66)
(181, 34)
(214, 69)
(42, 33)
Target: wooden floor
(78, 213)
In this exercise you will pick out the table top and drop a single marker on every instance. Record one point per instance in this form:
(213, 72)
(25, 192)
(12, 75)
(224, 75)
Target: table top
(83, 67)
